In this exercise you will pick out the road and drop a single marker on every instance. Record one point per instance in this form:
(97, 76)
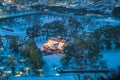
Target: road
(49, 10)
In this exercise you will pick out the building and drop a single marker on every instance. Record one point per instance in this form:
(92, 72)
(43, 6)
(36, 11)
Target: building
(8, 2)
(55, 45)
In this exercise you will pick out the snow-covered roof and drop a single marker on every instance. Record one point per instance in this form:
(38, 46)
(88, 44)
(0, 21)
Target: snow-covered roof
(53, 41)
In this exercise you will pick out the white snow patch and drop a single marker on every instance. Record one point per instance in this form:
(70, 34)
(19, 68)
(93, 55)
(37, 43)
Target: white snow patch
(44, 78)
(112, 57)
(49, 19)
(15, 33)
(52, 61)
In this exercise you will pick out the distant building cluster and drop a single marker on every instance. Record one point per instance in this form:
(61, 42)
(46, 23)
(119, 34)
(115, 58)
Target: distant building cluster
(81, 3)
(7, 2)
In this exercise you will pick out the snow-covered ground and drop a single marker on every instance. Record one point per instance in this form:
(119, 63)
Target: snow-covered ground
(112, 57)
(52, 61)
(44, 78)
(15, 33)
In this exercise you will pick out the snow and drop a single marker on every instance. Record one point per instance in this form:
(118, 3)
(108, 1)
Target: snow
(5, 14)
(112, 57)
(49, 19)
(109, 19)
(52, 61)
(15, 33)
(44, 78)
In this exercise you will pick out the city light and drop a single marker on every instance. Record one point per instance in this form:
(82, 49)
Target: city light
(18, 74)
(9, 1)
(55, 68)
(41, 74)
(2, 67)
(1, 48)
(27, 68)
(39, 70)
(9, 55)
(8, 72)
(57, 74)
(3, 75)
